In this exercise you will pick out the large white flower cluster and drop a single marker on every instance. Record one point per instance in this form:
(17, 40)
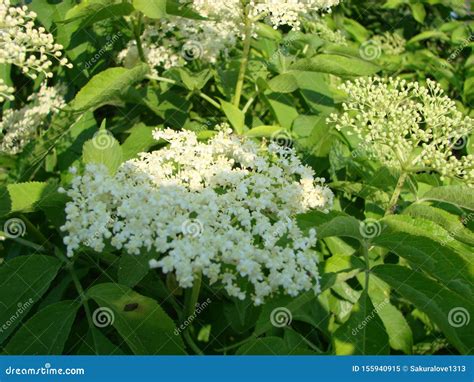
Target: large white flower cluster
(173, 41)
(20, 126)
(24, 45)
(225, 208)
(288, 12)
(407, 125)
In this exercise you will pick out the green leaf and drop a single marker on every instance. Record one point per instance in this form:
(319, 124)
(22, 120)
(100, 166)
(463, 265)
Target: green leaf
(460, 196)
(363, 333)
(421, 243)
(331, 224)
(141, 322)
(450, 311)
(89, 12)
(46, 332)
(263, 131)
(132, 269)
(264, 346)
(235, 116)
(103, 149)
(337, 65)
(154, 9)
(31, 196)
(23, 281)
(98, 344)
(107, 86)
(398, 331)
(282, 107)
(428, 35)
(139, 140)
(194, 81)
(419, 12)
(283, 83)
(449, 222)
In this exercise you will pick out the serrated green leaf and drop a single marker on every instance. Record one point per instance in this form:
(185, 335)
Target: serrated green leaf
(154, 9)
(263, 131)
(103, 149)
(421, 243)
(235, 116)
(283, 83)
(141, 322)
(107, 86)
(46, 332)
(337, 65)
(139, 140)
(363, 333)
(23, 281)
(450, 311)
(460, 196)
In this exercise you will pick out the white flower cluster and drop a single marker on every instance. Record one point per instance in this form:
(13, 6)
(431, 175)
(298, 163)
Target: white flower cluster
(225, 208)
(24, 45)
(6, 92)
(320, 27)
(173, 41)
(20, 126)
(288, 12)
(407, 125)
(391, 43)
(157, 55)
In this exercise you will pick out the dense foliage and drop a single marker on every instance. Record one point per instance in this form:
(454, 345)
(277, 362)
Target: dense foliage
(236, 177)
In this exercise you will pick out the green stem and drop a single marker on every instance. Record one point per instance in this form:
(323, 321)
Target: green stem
(136, 27)
(80, 291)
(191, 298)
(396, 193)
(209, 99)
(245, 58)
(30, 228)
(365, 253)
